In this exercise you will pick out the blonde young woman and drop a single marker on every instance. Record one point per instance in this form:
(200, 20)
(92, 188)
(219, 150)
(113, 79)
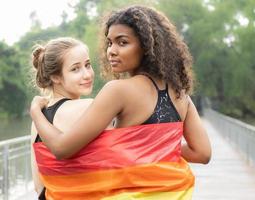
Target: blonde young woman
(63, 68)
(142, 158)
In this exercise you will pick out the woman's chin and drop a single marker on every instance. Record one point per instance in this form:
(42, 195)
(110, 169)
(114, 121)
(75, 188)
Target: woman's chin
(86, 92)
(117, 70)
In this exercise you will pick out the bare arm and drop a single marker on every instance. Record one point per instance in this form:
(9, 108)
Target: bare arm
(104, 108)
(35, 174)
(198, 148)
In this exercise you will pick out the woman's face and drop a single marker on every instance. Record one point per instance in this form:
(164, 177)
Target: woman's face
(77, 73)
(124, 51)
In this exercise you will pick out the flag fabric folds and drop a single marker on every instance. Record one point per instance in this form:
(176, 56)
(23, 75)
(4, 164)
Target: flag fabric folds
(140, 162)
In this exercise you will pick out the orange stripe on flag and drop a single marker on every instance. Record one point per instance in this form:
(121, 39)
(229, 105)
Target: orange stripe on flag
(156, 177)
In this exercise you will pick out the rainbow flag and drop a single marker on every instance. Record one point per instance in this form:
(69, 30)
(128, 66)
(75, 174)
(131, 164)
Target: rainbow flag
(141, 162)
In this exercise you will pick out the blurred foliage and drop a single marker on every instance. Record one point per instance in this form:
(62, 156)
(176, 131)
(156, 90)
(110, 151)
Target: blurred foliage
(220, 35)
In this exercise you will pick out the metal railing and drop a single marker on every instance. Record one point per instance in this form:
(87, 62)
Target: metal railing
(15, 168)
(238, 133)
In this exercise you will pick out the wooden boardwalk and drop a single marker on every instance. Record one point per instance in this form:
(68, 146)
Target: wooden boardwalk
(226, 177)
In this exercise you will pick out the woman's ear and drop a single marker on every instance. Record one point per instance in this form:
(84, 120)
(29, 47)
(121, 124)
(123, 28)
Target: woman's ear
(55, 79)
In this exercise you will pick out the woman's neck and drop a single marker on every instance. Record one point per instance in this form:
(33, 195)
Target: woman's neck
(56, 96)
(59, 92)
(53, 99)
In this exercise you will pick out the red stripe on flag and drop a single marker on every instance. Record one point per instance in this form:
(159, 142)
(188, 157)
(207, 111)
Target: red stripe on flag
(118, 148)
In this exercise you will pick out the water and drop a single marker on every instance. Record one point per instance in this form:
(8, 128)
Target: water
(14, 128)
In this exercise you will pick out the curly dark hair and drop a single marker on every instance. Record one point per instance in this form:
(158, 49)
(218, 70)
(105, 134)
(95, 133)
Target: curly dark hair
(166, 56)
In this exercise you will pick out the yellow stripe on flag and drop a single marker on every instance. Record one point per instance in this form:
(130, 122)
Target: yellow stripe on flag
(181, 195)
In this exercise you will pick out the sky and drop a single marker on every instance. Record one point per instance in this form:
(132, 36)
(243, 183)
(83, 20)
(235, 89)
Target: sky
(15, 20)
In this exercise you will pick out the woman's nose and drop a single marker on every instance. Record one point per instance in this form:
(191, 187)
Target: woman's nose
(87, 74)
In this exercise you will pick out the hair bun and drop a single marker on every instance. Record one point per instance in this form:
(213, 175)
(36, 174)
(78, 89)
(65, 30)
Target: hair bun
(38, 54)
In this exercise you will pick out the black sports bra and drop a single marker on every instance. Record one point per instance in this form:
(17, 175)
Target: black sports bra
(165, 110)
(50, 112)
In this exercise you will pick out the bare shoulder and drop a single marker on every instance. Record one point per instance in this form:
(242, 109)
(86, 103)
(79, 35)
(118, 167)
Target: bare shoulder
(117, 88)
(119, 93)
(78, 103)
(73, 106)
(116, 85)
(127, 83)
(70, 111)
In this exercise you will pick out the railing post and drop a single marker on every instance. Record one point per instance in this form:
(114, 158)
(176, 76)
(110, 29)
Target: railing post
(5, 172)
(27, 170)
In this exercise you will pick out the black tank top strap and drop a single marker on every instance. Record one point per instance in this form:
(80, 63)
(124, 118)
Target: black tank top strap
(156, 86)
(167, 88)
(154, 83)
(50, 112)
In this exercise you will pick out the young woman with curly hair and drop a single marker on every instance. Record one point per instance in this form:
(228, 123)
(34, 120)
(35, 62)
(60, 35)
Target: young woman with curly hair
(142, 158)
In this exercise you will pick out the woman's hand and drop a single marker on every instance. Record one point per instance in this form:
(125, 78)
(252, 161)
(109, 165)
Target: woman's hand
(37, 104)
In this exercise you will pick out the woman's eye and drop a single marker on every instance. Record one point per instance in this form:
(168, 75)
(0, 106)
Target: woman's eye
(122, 43)
(88, 65)
(75, 69)
(108, 43)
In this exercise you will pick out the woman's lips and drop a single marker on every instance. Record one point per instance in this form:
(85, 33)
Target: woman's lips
(114, 62)
(87, 84)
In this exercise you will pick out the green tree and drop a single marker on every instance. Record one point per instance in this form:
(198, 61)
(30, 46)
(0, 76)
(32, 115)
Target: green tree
(221, 45)
(13, 97)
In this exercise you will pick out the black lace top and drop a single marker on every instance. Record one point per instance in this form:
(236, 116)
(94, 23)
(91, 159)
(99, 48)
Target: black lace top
(165, 110)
